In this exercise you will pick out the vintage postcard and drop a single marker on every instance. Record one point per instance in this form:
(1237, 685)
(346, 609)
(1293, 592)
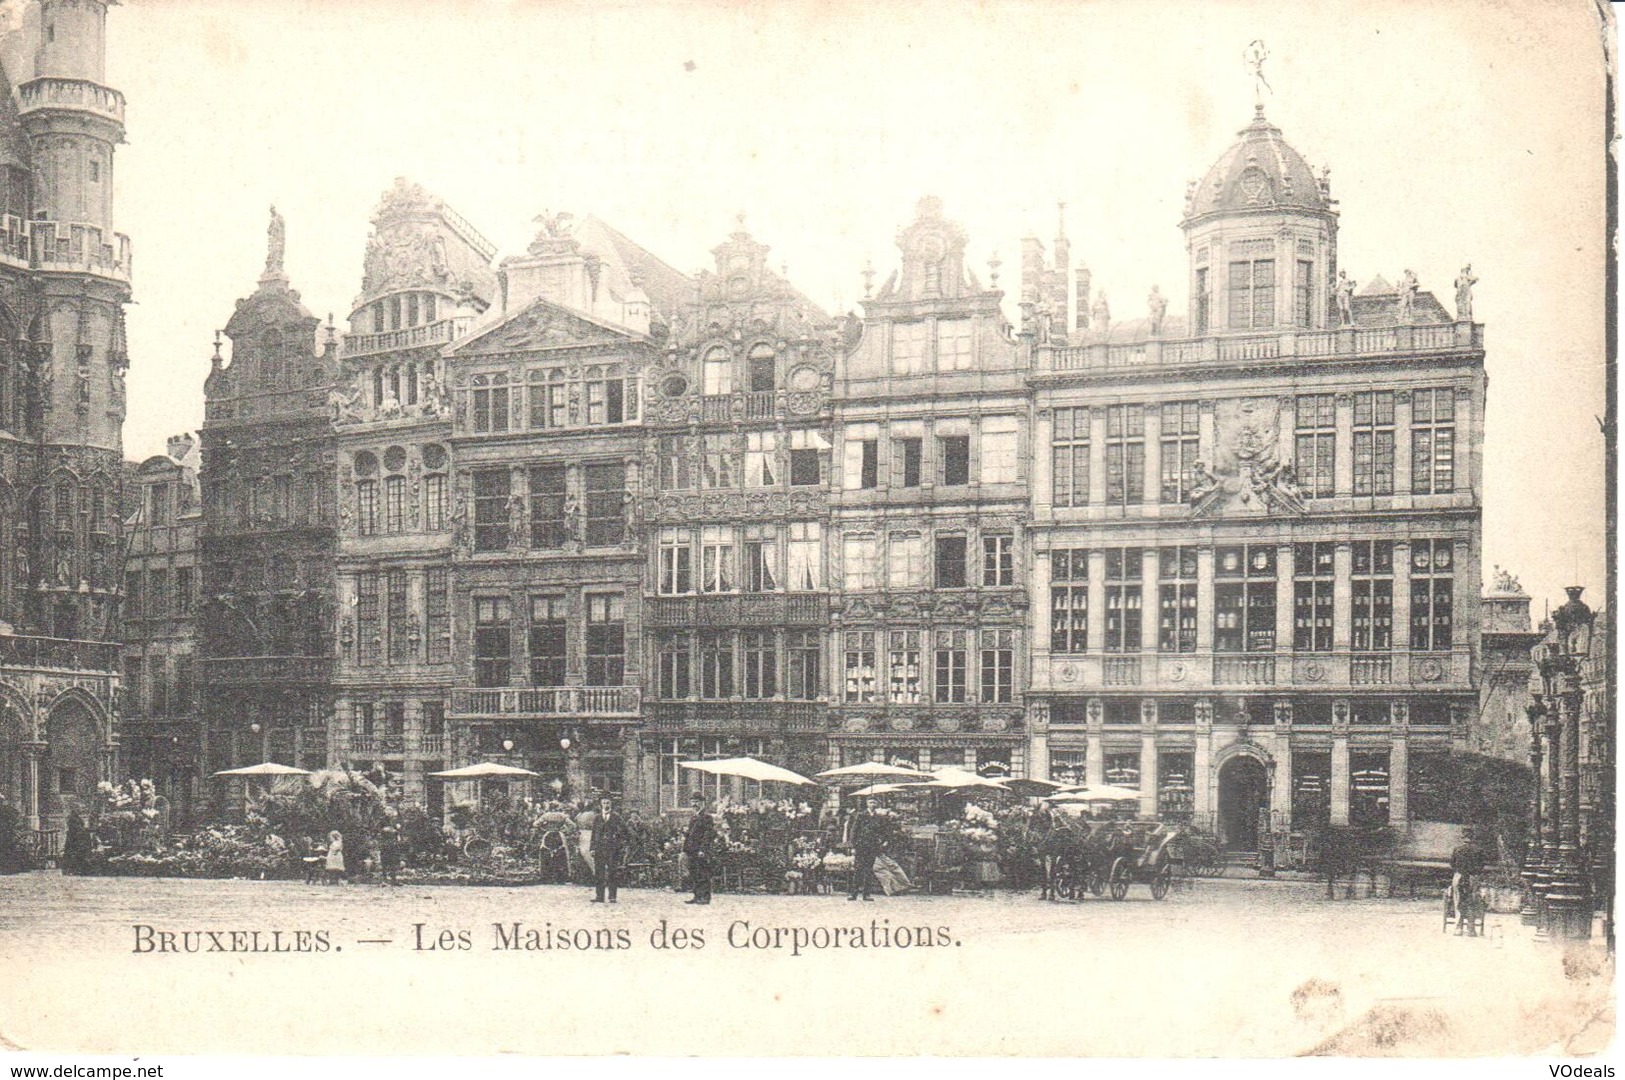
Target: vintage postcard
(1047, 528)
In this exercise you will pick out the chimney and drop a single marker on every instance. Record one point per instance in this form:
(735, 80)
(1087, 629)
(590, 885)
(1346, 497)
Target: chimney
(1083, 297)
(180, 447)
(1059, 301)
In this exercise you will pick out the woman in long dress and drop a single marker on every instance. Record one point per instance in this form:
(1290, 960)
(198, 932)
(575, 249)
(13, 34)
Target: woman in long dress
(890, 874)
(335, 856)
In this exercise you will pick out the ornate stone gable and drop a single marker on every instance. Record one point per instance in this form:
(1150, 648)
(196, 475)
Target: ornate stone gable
(543, 326)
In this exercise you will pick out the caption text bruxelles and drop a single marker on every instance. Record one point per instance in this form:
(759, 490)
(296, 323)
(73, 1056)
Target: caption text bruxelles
(515, 936)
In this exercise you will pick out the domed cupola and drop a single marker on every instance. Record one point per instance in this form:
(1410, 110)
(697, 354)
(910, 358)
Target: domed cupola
(1261, 233)
(1262, 172)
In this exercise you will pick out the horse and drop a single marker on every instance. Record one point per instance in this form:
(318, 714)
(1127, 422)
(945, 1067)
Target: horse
(1344, 851)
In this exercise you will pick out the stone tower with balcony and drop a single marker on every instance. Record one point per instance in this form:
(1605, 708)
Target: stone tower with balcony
(64, 281)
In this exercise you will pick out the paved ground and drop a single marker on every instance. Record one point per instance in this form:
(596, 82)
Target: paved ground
(1223, 968)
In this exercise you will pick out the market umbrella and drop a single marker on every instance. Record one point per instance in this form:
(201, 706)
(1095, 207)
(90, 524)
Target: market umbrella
(885, 789)
(264, 768)
(958, 778)
(1033, 788)
(872, 770)
(1098, 793)
(483, 770)
(749, 768)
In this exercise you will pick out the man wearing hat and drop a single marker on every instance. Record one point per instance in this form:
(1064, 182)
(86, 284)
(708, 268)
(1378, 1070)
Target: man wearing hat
(609, 843)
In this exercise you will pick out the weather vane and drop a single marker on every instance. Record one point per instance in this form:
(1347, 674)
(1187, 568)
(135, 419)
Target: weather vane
(1254, 58)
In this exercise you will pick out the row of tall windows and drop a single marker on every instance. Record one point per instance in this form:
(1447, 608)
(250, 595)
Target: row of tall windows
(947, 666)
(387, 619)
(545, 638)
(405, 310)
(761, 558)
(604, 395)
(536, 507)
(750, 664)
(997, 459)
(1245, 594)
(912, 352)
(383, 498)
(1314, 420)
(898, 560)
(756, 459)
(150, 594)
(717, 370)
(157, 687)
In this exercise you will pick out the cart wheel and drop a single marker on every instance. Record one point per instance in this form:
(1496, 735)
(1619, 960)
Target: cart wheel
(1097, 881)
(1160, 883)
(1119, 880)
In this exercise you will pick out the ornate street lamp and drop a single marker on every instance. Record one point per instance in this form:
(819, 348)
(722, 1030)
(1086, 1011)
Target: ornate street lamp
(1568, 892)
(1535, 871)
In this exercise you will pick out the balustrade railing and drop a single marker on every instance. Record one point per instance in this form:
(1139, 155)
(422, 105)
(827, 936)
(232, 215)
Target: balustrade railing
(1244, 670)
(45, 652)
(70, 93)
(1371, 670)
(409, 337)
(547, 701)
(1122, 671)
(1276, 345)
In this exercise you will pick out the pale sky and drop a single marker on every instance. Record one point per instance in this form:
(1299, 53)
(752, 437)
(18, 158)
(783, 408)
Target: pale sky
(1455, 132)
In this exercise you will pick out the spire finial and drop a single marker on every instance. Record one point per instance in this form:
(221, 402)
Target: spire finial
(993, 264)
(217, 357)
(739, 220)
(868, 278)
(1254, 57)
(1060, 224)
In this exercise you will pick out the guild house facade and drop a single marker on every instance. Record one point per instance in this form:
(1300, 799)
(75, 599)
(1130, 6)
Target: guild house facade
(583, 513)
(64, 281)
(1256, 535)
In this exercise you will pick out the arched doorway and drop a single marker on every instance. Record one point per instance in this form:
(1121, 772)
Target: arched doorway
(71, 767)
(13, 764)
(1243, 793)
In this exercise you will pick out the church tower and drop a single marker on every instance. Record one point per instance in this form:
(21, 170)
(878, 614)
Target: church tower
(72, 123)
(64, 281)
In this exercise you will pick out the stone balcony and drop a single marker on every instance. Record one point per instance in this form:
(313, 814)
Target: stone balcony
(64, 246)
(260, 670)
(759, 717)
(1287, 346)
(75, 95)
(61, 654)
(410, 337)
(1199, 671)
(746, 609)
(543, 702)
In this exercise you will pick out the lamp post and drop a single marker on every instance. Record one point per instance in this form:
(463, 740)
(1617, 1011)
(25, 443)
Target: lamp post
(1534, 863)
(1568, 892)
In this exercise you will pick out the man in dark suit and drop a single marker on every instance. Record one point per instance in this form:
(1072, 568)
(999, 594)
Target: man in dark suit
(864, 836)
(700, 845)
(609, 842)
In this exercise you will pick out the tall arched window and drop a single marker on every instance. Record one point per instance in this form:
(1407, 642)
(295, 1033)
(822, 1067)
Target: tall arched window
(718, 371)
(366, 492)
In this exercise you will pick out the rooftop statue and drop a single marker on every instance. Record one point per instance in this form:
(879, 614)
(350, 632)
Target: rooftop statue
(1464, 294)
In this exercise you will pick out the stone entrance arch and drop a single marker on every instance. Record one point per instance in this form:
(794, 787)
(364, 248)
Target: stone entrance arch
(1244, 801)
(72, 761)
(13, 756)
